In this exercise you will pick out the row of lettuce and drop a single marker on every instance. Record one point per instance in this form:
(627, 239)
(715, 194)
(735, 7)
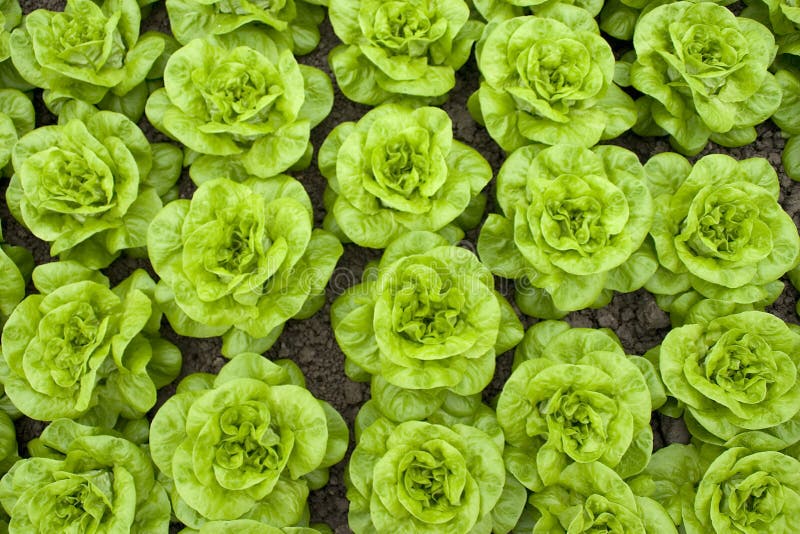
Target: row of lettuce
(567, 445)
(242, 449)
(550, 78)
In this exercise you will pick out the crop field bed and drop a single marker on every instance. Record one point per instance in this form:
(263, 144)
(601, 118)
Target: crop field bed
(634, 317)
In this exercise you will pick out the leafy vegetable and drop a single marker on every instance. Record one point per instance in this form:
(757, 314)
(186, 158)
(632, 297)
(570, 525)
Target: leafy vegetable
(398, 170)
(746, 491)
(464, 411)
(16, 264)
(92, 481)
(787, 118)
(400, 50)
(8, 442)
(91, 184)
(10, 18)
(294, 22)
(239, 99)
(498, 10)
(548, 79)
(708, 489)
(574, 397)
(16, 118)
(423, 477)
(672, 476)
(618, 18)
(428, 324)
(247, 526)
(704, 75)
(591, 497)
(240, 259)
(246, 444)
(81, 350)
(719, 231)
(782, 17)
(572, 227)
(456, 409)
(88, 52)
(736, 376)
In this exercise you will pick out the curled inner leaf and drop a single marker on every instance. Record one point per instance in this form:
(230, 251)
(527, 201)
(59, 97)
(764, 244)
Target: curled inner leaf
(84, 37)
(742, 365)
(433, 480)
(405, 28)
(427, 309)
(250, 450)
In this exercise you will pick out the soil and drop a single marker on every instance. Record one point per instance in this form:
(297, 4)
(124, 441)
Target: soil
(636, 319)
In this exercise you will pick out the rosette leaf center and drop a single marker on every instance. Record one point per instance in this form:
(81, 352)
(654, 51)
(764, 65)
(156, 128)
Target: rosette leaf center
(76, 503)
(580, 214)
(754, 501)
(432, 481)
(725, 224)
(251, 450)
(743, 365)
(86, 38)
(427, 307)
(234, 91)
(73, 334)
(578, 420)
(404, 29)
(554, 69)
(74, 182)
(710, 51)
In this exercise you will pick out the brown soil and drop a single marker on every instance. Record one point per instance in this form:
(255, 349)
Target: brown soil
(636, 319)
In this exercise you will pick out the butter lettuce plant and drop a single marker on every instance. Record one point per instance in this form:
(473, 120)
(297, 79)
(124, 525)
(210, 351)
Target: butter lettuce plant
(16, 118)
(782, 17)
(618, 18)
(426, 324)
(703, 72)
(248, 443)
(80, 350)
(547, 79)
(672, 476)
(455, 412)
(91, 184)
(574, 397)
(591, 497)
(397, 170)
(718, 491)
(10, 18)
(400, 50)
(424, 477)
(243, 100)
(786, 117)
(295, 22)
(719, 232)
(91, 52)
(735, 376)
(744, 490)
(572, 227)
(239, 260)
(91, 480)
